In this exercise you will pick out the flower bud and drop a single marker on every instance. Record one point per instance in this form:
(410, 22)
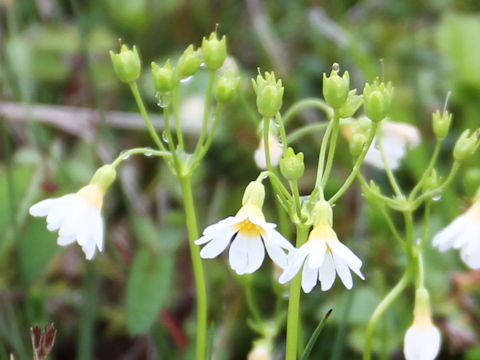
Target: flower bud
(291, 165)
(269, 94)
(254, 193)
(356, 143)
(377, 99)
(322, 213)
(214, 51)
(431, 182)
(466, 145)
(164, 77)
(104, 176)
(189, 63)
(126, 64)
(226, 86)
(336, 88)
(441, 123)
(352, 104)
(260, 351)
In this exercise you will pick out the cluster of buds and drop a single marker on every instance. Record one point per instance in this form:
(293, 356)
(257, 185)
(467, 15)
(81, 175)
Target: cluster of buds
(269, 93)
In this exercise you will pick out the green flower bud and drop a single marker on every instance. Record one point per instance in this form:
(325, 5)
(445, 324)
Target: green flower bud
(466, 145)
(189, 63)
(269, 94)
(441, 123)
(352, 104)
(291, 165)
(471, 180)
(357, 143)
(126, 64)
(254, 193)
(377, 99)
(214, 51)
(322, 213)
(336, 88)
(422, 302)
(431, 182)
(226, 86)
(104, 176)
(164, 77)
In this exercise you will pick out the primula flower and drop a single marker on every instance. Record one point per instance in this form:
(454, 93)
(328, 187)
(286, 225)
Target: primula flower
(322, 256)
(423, 339)
(276, 152)
(394, 138)
(462, 233)
(249, 235)
(77, 217)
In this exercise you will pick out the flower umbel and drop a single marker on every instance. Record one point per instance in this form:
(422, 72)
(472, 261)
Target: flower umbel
(249, 235)
(462, 233)
(77, 217)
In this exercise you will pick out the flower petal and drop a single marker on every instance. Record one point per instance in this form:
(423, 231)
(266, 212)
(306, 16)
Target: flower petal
(215, 247)
(296, 259)
(42, 208)
(246, 254)
(444, 239)
(317, 254)
(342, 251)
(326, 273)
(343, 271)
(309, 277)
(65, 240)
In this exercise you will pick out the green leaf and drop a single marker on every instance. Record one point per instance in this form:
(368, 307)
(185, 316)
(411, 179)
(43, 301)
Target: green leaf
(314, 337)
(147, 289)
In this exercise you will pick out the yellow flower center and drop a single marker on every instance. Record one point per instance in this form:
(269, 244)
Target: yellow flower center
(422, 319)
(322, 232)
(92, 194)
(474, 211)
(246, 227)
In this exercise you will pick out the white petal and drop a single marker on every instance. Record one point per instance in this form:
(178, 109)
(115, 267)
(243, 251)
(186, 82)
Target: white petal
(222, 224)
(421, 343)
(445, 238)
(74, 218)
(470, 254)
(342, 251)
(246, 254)
(89, 249)
(343, 271)
(65, 240)
(317, 254)
(42, 208)
(326, 273)
(98, 230)
(256, 254)
(295, 261)
(277, 254)
(309, 277)
(203, 240)
(215, 247)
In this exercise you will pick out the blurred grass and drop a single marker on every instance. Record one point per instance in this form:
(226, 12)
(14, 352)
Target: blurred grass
(56, 52)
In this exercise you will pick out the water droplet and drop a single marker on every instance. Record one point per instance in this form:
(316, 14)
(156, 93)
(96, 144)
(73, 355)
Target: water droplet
(187, 79)
(165, 136)
(162, 100)
(335, 67)
(275, 122)
(124, 156)
(148, 154)
(437, 196)
(202, 65)
(376, 144)
(419, 241)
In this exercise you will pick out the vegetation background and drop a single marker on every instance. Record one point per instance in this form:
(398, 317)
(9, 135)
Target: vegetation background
(63, 113)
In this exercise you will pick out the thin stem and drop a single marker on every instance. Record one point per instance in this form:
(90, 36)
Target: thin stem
(390, 202)
(356, 167)
(251, 303)
(391, 225)
(211, 133)
(276, 183)
(305, 130)
(388, 170)
(321, 156)
(428, 171)
(206, 112)
(306, 103)
(426, 221)
(198, 272)
(146, 150)
(143, 111)
(331, 150)
(266, 142)
(283, 134)
(168, 130)
(178, 127)
(293, 322)
(296, 197)
(420, 276)
(380, 310)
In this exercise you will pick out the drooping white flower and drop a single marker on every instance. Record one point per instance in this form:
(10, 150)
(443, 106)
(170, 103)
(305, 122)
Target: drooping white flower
(394, 138)
(260, 351)
(423, 339)
(249, 235)
(276, 152)
(463, 234)
(322, 256)
(77, 217)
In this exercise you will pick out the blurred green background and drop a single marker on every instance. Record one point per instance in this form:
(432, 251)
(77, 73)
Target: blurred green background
(137, 299)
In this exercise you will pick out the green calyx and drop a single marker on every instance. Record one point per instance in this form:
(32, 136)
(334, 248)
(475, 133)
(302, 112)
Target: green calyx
(189, 63)
(335, 88)
(466, 145)
(214, 51)
(357, 143)
(291, 165)
(422, 302)
(377, 99)
(322, 213)
(269, 94)
(441, 123)
(351, 105)
(104, 176)
(254, 194)
(226, 86)
(126, 64)
(164, 77)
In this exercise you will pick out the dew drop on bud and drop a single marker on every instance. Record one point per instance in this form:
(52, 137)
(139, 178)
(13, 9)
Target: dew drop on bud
(162, 100)
(148, 154)
(186, 80)
(335, 67)
(164, 136)
(437, 196)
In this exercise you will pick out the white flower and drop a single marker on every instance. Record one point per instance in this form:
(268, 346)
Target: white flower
(463, 233)
(276, 152)
(422, 339)
(394, 138)
(322, 256)
(260, 352)
(249, 235)
(77, 217)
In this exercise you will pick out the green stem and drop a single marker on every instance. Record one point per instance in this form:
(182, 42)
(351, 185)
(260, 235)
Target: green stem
(428, 171)
(390, 202)
(206, 112)
(380, 310)
(293, 322)
(388, 170)
(251, 303)
(296, 197)
(143, 111)
(211, 133)
(283, 134)
(420, 276)
(176, 116)
(356, 167)
(146, 150)
(305, 103)
(276, 183)
(266, 142)
(331, 150)
(305, 130)
(198, 272)
(321, 156)
(391, 225)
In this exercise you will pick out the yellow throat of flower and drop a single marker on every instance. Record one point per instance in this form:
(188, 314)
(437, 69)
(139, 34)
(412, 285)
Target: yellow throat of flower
(322, 232)
(92, 194)
(246, 227)
(474, 211)
(422, 319)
